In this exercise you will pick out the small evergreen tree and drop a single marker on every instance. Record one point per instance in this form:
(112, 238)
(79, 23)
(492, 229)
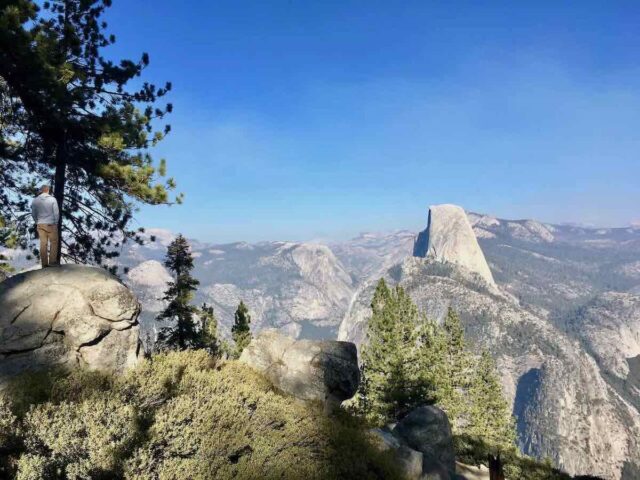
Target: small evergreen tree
(241, 332)
(394, 381)
(490, 417)
(432, 345)
(455, 379)
(184, 333)
(209, 331)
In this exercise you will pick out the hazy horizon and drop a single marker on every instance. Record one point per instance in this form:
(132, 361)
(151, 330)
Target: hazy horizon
(322, 119)
(352, 236)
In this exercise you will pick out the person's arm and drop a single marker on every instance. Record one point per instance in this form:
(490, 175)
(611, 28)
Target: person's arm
(56, 212)
(33, 212)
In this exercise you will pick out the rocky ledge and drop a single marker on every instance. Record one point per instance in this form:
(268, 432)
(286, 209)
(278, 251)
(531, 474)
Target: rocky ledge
(67, 316)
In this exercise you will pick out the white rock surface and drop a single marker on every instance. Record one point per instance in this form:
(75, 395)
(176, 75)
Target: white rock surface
(609, 326)
(309, 370)
(472, 472)
(150, 278)
(65, 316)
(530, 230)
(450, 238)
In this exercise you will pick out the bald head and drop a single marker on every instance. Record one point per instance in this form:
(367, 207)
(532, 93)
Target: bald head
(44, 189)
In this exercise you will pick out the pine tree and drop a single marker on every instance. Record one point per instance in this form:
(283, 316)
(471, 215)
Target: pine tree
(209, 331)
(409, 360)
(241, 331)
(17, 162)
(454, 381)
(490, 420)
(394, 380)
(184, 333)
(432, 360)
(72, 119)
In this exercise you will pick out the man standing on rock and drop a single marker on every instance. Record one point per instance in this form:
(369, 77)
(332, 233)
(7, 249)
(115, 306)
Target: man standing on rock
(44, 209)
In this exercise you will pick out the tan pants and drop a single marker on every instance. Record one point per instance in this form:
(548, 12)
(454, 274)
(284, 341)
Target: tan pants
(48, 233)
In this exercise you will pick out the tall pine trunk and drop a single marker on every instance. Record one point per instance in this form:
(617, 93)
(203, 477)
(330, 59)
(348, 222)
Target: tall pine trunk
(60, 180)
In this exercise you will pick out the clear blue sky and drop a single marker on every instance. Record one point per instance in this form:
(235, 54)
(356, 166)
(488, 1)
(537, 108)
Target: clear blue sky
(320, 119)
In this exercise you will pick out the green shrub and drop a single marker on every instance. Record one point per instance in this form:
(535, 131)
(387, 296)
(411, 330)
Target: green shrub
(35, 467)
(527, 468)
(88, 439)
(178, 415)
(31, 389)
(9, 426)
(10, 438)
(258, 432)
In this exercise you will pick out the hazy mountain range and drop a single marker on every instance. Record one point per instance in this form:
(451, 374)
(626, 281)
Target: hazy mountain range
(558, 313)
(558, 306)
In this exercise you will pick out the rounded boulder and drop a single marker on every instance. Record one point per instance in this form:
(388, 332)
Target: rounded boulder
(306, 369)
(66, 316)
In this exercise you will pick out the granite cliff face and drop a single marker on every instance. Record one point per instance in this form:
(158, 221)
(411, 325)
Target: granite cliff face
(300, 288)
(565, 406)
(570, 372)
(450, 238)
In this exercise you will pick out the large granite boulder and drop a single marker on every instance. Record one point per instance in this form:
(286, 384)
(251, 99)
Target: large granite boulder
(66, 316)
(421, 444)
(427, 430)
(306, 369)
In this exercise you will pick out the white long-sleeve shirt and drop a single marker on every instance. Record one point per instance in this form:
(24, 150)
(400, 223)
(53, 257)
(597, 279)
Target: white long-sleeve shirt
(44, 209)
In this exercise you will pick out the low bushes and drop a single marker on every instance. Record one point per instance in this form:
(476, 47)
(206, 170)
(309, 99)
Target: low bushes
(176, 416)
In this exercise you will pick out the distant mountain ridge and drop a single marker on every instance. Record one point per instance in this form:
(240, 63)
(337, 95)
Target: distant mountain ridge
(563, 321)
(570, 405)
